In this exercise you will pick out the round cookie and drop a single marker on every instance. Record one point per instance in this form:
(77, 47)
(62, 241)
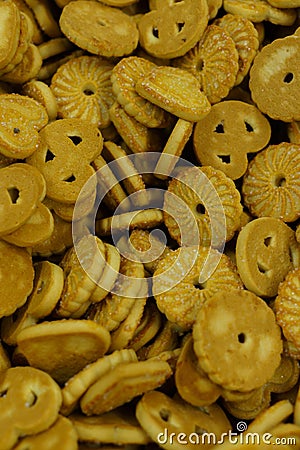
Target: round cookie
(274, 79)
(83, 89)
(271, 185)
(236, 351)
(99, 29)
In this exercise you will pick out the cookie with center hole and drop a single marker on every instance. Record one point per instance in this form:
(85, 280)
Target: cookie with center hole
(236, 351)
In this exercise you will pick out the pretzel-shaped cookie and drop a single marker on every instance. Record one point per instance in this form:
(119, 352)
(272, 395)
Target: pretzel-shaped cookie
(30, 400)
(173, 27)
(67, 148)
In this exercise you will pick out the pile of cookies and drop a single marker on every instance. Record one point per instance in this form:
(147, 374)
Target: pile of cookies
(149, 226)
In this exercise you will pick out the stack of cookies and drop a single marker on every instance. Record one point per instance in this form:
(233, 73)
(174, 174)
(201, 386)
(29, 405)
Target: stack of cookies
(149, 224)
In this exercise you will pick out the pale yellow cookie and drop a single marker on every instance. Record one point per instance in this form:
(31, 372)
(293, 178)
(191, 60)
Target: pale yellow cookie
(41, 92)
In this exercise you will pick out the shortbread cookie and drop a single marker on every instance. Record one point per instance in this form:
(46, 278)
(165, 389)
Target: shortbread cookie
(44, 17)
(125, 382)
(175, 90)
(293, 131)
(165, 341)
(260, 10)
(24, 117)
(27, 69)
(125, 74)
(137, 137)
(76, 386)
(148, 327)
(171, 29)
(266, 250)
(35, 230)
(47, 288)
(116, 306)
(232, 356)
(4, 359)
(37, 36)
(271, 185)
(144, 219)
(49, 68)
(174, 147)
(41, 92)
(214, 62)
(61, 434)
(286, 306)
(99, 29)
(30, 403)
(230, 131)
(271, 417)
(54, 47)
(273, 80)
(17, 275)
(22, 188)
(24, 40)
(82, 89)
(197, 188)
(60, 239)
(117, 427)
(65, 176)
(157, 412)
(179, 272)
(10, 31)
(80, 281)
(192, 383)
(245, 37)
(68, 346)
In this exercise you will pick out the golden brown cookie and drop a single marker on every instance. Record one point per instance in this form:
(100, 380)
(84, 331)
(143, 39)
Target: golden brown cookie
(76, 386)
(30, 402)
(124, 77)
(22, 187)
(286, 307)
(40, 91)
(273, 81)
(68, 346)
(47, 288)
(266, 250)
(137, 137)
(35, 230)
(61, 434)
(235, 351)
(190, 199)
(22, 118)
(65, 176)
(214, 62)
(27, 69)
(175, 90)
(4, 359)
(126, 381)
(58, 242)
(174, 146)
(230, 131)
(172, 28)
(83, 265)
(271, 185)
(192, 383)
(44, 17)
(10, 31)
(177, 278)
(16, 272)
(99, 29)
(260, 10)
(117, 427)
(245, 37)
(163, 417)
(82, 89)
